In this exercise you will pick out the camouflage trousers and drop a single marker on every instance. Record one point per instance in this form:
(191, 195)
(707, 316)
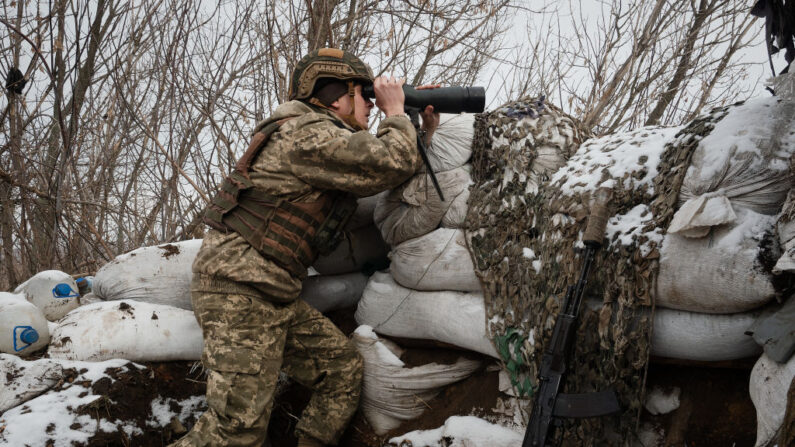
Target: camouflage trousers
(247, 341)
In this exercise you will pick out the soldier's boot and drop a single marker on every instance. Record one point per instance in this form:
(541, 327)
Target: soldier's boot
(309, 442)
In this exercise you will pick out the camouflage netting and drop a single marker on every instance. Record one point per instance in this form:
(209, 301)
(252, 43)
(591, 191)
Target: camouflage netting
(524, 229)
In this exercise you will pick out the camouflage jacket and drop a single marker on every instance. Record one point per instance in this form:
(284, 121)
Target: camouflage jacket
(312, 152)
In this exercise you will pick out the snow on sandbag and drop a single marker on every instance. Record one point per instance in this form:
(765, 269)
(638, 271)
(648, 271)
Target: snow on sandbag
(769, 384)
(158, 274)
(414, 208)
(439, 260)
(23, 327)
(362, 249)
(685, 335)
(52, 291)
(451, 143)
(721, 273)
(327, 293)
(462, 431)
(457, 318)
(22, 380)
(393, 393)
(132, 330)
(741, 163)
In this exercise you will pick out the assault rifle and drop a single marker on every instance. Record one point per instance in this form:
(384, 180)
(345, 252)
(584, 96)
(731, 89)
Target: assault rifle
(443, 100)
(551, 405)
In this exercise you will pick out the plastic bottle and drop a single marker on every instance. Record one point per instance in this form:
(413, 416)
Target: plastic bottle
(52, 291)
(23, 327)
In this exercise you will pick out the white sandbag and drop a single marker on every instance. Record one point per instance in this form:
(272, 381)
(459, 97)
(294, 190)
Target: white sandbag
(327, 293)
(451, 144)
(786, 236)
(457, 318)
(52, 291)
(362, 249)
(158, 274)
(365, 206)
(741, 163)
(457, 213)
(414, 208)
(22, 380)
(770, 382)
(393, 393)
(705, 337)
(23, 327)
(439, 260)
(721, 273)
(131, 330)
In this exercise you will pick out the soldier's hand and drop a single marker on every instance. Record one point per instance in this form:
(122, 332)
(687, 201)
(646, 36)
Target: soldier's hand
(430, 120)
(389, 96)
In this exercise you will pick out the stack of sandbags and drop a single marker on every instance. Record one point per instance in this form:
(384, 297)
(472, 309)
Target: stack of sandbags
(161, 274)
(720, 262)
(431, 290)
(715, 274)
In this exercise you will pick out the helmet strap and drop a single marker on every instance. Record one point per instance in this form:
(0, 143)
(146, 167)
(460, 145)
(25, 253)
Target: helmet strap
(351, 117)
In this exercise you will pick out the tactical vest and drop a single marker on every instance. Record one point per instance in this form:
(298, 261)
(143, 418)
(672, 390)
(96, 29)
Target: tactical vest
(288, 232)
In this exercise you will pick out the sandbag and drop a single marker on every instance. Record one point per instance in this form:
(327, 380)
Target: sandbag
(457, 213)
(52, 291)
(393, 393)
(22, 380)
(768, 386)
(457, 318)
(704, 337)
(786, 236)
(414, 208)
(127, 329)
(365, 206)
(23, 327)
(721, 273)
(451, 143)
(438, 260)
(158, 274)
(741, 163)
(362, 250)
(327, 293)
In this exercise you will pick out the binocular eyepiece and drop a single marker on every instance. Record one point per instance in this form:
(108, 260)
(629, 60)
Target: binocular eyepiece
(443, 99)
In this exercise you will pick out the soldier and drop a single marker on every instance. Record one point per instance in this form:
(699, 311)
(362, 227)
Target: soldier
(286, 202)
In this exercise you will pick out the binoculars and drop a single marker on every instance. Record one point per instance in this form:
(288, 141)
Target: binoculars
(443, 99)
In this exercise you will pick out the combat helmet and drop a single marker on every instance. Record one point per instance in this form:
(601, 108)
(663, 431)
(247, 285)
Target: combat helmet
(326, 63)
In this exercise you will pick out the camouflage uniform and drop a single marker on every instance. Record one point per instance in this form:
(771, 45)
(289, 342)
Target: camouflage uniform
(247, 306)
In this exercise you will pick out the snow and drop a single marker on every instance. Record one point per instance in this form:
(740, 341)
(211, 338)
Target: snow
(161, 413)
(598, 162)
(50, 416)
(628, 227)
(737, 137)
(528, 253)
(463, 431)
(659, 401)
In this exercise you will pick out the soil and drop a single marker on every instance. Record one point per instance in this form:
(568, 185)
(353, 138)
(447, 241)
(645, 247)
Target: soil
(715, 407)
